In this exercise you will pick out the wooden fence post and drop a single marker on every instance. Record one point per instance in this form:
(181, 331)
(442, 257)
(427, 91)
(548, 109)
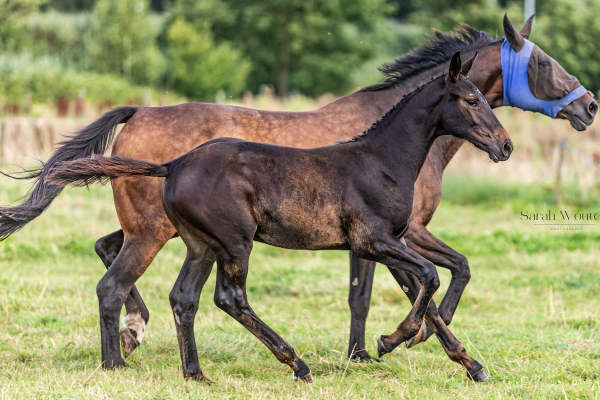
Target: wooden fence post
(561, 155)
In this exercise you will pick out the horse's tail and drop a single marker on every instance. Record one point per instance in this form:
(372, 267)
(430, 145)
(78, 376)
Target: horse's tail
(95, 138)
(87, 171)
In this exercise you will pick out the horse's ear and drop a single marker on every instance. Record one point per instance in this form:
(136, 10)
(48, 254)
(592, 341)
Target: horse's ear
(514, 37)
(455, 64)
(526, 29)
(466, 67)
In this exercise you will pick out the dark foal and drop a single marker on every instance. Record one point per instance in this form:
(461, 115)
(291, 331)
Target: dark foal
(353, 196)
(160, 134)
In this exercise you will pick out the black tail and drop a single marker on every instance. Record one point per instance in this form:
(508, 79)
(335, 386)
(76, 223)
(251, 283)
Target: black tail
(94, 139)
(87, 171)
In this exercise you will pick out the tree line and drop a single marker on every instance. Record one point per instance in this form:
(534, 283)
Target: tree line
(199, 47)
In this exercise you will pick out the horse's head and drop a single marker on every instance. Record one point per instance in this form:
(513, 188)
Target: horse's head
(534, 81)
(467, 115)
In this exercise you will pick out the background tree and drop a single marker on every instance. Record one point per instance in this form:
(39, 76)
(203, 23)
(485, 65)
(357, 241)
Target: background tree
(70, 5)
(485, 15)
(124, 42)
(12, 21)
(568, 31)
(306, 45)
(200, 68)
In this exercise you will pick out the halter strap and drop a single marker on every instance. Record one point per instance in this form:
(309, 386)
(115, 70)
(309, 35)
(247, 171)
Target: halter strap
(516, 83)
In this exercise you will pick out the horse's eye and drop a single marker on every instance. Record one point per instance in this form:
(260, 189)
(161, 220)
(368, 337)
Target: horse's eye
(471, 102)
(544, 63)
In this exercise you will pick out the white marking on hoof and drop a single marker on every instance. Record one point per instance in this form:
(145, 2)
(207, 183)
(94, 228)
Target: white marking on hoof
(355, 282)
(136, 323)
(405, 289)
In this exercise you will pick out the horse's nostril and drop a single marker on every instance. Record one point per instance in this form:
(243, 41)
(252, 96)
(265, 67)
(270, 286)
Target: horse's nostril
(507, 148)
(593, 108)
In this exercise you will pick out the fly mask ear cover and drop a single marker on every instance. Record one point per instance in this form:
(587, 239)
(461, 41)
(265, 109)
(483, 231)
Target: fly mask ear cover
(516, 84)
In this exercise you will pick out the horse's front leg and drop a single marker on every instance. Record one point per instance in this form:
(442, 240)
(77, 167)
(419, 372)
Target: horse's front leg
(427, 245)
(435, 325)
(394, 254)
(402, 261)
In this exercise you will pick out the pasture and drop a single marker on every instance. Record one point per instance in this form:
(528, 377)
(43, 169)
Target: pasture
(530, 314)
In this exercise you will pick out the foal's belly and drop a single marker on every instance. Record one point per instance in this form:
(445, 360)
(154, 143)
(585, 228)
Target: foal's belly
(298, 233)
(300, 243)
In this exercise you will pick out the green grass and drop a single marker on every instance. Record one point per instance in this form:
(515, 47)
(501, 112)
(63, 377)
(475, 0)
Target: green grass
(530, 313)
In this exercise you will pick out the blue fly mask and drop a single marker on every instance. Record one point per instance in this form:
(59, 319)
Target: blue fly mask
(516, 83)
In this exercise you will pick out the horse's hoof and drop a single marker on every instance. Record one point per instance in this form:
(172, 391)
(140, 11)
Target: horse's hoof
(115, 364)
(366, 359)
(363, 356)
(306, 378)
(424, 333)
(128, 341)
(381, 347)
(199, 377)
(479, 376)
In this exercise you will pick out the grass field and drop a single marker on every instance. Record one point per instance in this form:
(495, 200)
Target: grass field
(530, 313)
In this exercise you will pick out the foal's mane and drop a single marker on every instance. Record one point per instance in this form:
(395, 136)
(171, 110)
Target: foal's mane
(389, 115)
(437, 49)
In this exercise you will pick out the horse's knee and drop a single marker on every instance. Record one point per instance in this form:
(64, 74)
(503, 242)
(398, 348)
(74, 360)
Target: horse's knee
(101, 250)
(232, 301)
(109, 300)
(183, 304)
(462, 271)
(107, 247)
(224, 301)
(431, 277)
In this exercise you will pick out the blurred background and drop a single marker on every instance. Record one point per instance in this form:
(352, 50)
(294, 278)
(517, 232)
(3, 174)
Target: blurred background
(64, 62)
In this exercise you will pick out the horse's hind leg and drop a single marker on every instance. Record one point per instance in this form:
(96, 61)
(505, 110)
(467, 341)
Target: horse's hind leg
(359, 299)
(114, 287)
(230, 296)
(184, 300)
(109, 246)
(134, 323)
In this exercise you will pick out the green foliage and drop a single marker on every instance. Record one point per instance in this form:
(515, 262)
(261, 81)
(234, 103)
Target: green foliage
(124, 41)
(567, 30)
(305, 45)
(485, 15)
(45, 79)
(71, 5)
(62, 36)
(201, 68)
(467, 190)
(390, 39)
(12, 21)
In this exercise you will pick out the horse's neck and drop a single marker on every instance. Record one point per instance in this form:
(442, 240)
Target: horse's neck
(402, 141)
(357, 111)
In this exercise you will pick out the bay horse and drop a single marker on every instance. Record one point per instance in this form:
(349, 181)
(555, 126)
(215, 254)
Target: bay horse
(160, 134)
(355, 196)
